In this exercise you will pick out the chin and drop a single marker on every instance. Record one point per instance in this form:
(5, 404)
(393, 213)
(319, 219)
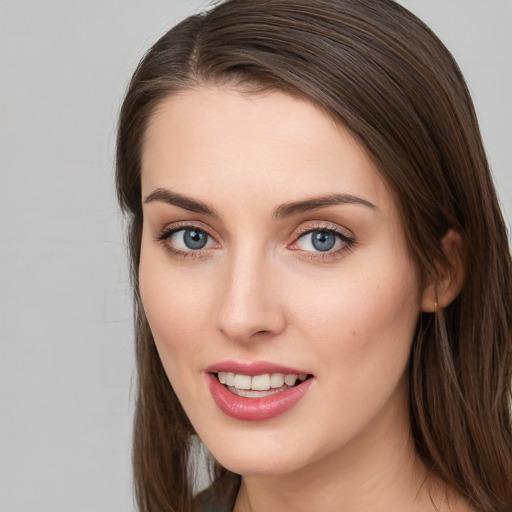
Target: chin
(262, 454)
(265, 465)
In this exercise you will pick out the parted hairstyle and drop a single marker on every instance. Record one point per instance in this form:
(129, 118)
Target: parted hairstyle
(377, 70)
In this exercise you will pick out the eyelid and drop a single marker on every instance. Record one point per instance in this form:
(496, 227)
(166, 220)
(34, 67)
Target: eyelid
(348, 240)
(323, 226)
(167, 231)
(188, 224)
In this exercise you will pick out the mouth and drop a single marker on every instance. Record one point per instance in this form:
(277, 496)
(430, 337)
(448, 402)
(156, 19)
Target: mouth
(259, 386)
(258, 391)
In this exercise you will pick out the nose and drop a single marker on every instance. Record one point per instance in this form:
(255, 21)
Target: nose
(250, 304)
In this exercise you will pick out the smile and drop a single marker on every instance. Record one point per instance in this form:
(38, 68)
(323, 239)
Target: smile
(258, 391)
(259, 386)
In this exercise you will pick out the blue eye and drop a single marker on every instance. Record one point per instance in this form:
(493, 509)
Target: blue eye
(322, 240)
(187, 239)
(194, 238)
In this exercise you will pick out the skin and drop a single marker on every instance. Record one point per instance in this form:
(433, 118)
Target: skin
(259, 291)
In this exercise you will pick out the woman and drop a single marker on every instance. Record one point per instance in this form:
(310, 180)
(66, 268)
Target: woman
(321, 269)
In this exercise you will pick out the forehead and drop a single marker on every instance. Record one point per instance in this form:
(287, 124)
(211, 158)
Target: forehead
(203, 140)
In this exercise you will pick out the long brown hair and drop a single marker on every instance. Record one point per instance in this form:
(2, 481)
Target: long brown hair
(379, 71)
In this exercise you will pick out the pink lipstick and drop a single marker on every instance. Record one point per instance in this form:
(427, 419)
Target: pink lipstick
(256, 391)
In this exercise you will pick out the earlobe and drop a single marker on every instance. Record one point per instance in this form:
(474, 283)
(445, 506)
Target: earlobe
(442, 292)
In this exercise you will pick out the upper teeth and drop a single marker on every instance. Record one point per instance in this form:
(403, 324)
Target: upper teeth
(259, 382)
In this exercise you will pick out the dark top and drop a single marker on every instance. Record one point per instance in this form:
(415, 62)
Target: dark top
(208, 503)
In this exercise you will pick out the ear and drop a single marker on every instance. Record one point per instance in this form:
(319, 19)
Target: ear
(439, 294)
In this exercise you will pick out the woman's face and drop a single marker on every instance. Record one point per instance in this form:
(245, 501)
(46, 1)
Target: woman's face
(272, 247)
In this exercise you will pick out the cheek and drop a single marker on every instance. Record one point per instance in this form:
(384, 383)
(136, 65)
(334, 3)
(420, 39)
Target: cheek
(176, 312)
(362, 320)
(174, 306)
(359, 332)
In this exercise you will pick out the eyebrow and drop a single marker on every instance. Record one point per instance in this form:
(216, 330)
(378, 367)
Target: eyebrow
(282, 211)
(314, 203)
(187, 203)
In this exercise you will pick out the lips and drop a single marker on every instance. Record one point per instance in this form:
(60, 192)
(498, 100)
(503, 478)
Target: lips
(256, 391)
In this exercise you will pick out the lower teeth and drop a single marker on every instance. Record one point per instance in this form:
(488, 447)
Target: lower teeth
(252, 393)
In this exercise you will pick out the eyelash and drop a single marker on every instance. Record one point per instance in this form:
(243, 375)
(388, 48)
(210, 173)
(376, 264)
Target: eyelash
(348, 241)
(168, 231)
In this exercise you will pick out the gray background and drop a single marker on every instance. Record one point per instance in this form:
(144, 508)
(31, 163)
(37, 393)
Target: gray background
(66, 359)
